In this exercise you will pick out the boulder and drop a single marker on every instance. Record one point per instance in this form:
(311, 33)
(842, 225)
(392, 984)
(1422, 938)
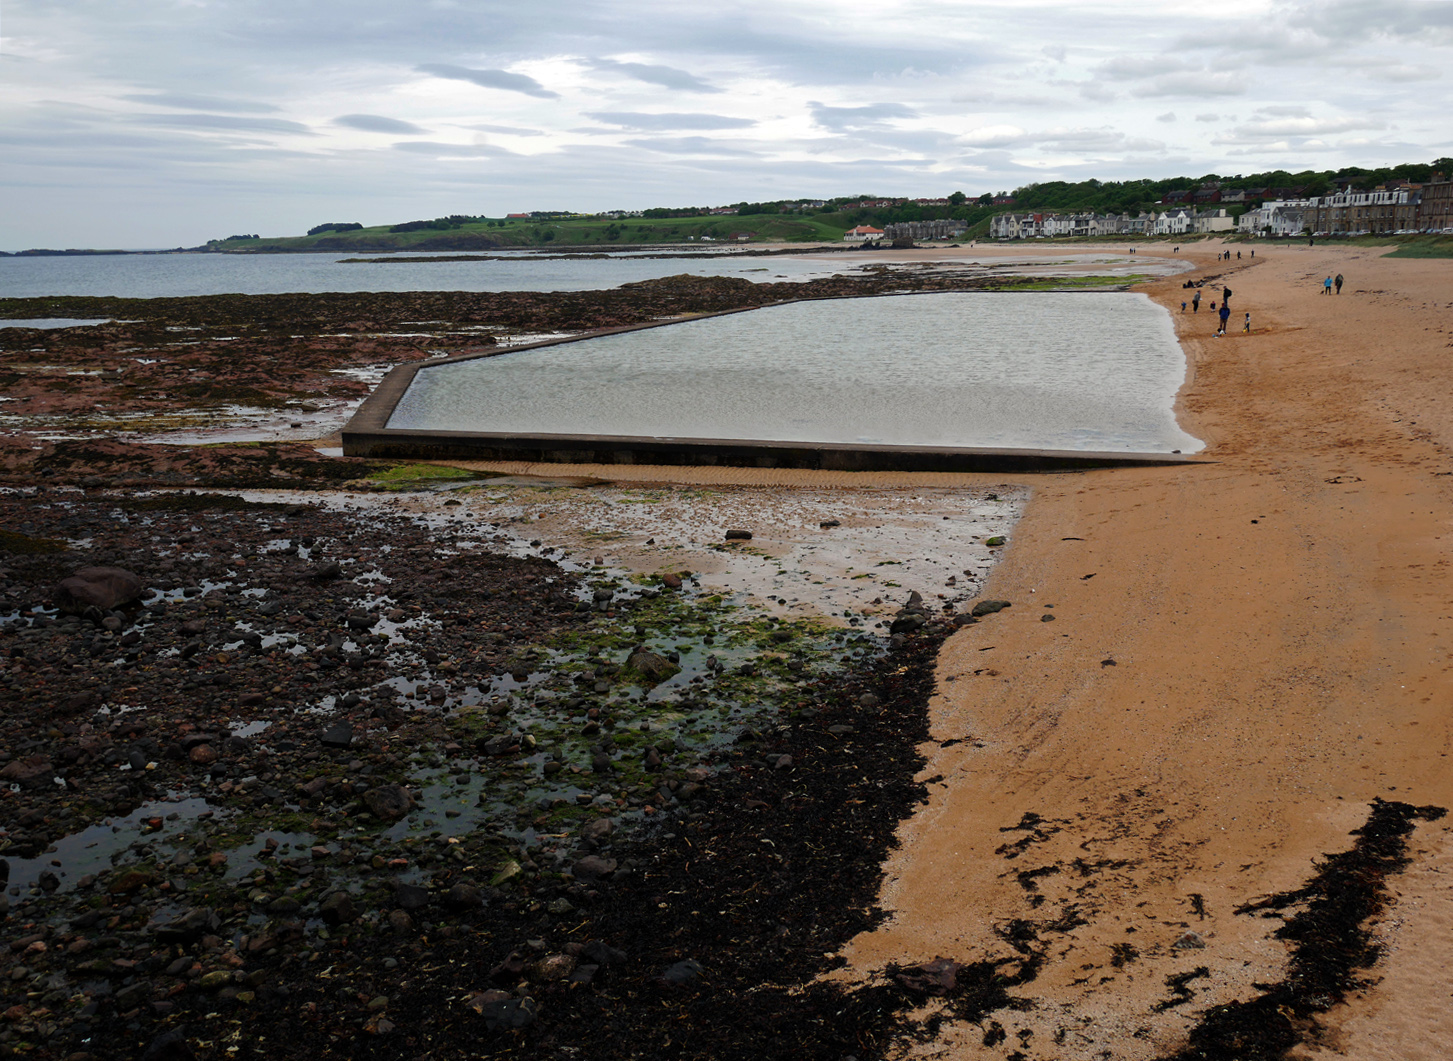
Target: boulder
(106, 588)
(389, 802)
(653, 667)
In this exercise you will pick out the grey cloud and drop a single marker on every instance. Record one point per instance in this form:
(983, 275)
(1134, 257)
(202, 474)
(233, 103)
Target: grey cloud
(1194, 83)
(510, 130)
(690, 145)
(1397, 19)
(648, 121)
(1168, 116)
(1097, 93)
(375, 123)
(223, 123)
(665, 76)
(1054, 51)
(1134, 67)
(865, 117)
(1277, 130)
(1283, 110)
(1208, 116)
(436, 148)
(501, 79)
(183, 101)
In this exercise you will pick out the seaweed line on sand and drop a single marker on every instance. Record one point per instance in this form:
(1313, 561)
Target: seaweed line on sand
(1331, 943)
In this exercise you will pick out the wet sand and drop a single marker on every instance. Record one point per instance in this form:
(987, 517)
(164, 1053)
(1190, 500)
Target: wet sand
(1277, 626)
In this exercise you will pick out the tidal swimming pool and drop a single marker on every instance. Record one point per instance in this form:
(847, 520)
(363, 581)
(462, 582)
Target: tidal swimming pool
(1034, 370)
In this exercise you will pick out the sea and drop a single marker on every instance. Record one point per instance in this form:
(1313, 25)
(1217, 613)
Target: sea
(172, 275)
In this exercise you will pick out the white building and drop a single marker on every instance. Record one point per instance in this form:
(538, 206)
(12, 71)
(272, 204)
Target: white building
(1175, 222)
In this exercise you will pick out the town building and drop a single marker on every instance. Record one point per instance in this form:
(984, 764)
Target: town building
(939, 229)
(862, 234)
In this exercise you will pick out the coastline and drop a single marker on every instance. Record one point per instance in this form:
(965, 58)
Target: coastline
(1272, 620)
(1274, 627)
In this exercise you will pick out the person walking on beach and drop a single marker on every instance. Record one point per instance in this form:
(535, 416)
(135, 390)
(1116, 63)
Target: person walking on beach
(1225, 315)
(1247, 326)
(1327, 286)
(1183, 305)
(1196, 302)
(1338, 282)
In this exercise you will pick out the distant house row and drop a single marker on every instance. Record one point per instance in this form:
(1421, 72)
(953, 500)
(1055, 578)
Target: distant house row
(1384, 210)
(1178, 222)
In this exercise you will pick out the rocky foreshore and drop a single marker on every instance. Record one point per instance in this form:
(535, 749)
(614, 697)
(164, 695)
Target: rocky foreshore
(283, 780)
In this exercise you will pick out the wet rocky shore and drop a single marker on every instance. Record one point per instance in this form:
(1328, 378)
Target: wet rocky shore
(284, 778)
(360, 786)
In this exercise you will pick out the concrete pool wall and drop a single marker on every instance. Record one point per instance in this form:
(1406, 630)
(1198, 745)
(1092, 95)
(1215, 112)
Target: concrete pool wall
(368, 435)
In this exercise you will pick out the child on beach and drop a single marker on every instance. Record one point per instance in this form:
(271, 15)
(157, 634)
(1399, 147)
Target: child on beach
(1183, 305)
(1247, 326)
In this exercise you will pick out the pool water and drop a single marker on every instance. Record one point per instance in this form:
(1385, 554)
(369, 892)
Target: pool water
(1093, 371)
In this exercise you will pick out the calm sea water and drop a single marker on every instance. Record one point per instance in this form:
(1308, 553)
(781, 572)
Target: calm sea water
(1079, 371)
(161, 275)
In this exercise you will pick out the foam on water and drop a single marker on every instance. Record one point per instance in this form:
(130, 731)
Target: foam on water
(1043, 370)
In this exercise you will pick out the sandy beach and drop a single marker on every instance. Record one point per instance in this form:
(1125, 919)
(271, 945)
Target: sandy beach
(1243, 656)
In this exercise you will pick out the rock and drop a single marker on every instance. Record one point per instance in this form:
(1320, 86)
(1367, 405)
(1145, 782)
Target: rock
(509, 1014)
(168, 1046)
(106, 588)
(131, 881)
(411, 896)
(337, 736)
(988, 607)
(602, 953)
(190, 926)
(33, 769)
(995, 541)
(510, 970)
(1047, 617)
(203, 755)
(671, 581)
(738, 535)
(400, 922)
(214, 980)
(593, 867)
(784, 762)
(1190, 941)
(508, 872)
(389, 802)
(551, 968)
(597, 829)
(825, 524)
(651, 666)
(464, 896)
(938, 977)
(684, 972)
(326, 572)
(337, 909)
(906, 624)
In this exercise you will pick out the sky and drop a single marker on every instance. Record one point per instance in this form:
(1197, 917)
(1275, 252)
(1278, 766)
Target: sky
(158, 123)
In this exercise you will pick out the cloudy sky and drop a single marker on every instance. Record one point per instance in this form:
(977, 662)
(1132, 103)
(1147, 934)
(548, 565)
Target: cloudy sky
(146, 123)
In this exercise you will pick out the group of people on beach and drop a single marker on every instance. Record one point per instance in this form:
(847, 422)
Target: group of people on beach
(1224, 313)
(1328, 283)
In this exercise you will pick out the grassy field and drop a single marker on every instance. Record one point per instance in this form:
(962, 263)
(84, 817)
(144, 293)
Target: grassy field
(572, 233)
(1423, 247)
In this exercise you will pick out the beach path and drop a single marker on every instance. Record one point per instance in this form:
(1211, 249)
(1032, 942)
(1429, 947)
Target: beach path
(1206, 677)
